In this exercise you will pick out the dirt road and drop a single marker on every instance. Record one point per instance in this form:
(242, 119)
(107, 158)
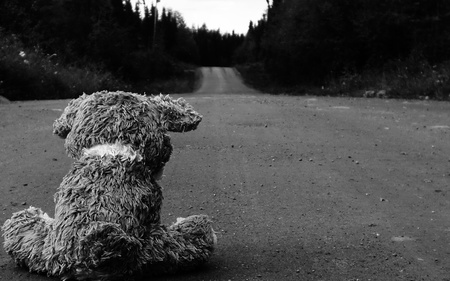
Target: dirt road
(300, 188)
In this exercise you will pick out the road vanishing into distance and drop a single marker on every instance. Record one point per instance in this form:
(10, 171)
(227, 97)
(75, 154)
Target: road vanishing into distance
(299, 188)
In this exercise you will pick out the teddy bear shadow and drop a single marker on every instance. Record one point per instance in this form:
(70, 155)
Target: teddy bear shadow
(107, 223)
(202, 270)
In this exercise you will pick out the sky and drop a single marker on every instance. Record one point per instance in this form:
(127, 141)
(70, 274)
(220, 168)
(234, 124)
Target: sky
(226, 15)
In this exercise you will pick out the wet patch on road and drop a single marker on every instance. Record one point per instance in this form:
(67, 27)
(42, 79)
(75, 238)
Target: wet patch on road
(441, 127)
(402, 238)
(340, 107)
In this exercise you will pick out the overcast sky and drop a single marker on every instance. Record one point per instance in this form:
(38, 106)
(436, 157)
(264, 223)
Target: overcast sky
(226, 15)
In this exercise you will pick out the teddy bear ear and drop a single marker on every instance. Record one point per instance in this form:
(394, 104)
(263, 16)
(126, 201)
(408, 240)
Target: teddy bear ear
(63, 125)
(177, 115)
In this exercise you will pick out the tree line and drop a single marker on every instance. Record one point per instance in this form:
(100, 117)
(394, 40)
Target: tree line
(112, 36)
(399, 46)
(312, 41)
(114, 33)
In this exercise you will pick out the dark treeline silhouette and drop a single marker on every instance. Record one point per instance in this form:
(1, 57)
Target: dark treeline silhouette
(67, 47)
(109, 32)
(312, 40)
(316, 42)
(216, 49)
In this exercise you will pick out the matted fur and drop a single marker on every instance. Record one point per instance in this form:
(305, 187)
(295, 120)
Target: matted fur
(137, 120)
(107, 215)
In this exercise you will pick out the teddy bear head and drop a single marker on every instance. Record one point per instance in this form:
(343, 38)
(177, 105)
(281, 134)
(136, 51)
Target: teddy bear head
(137, 121)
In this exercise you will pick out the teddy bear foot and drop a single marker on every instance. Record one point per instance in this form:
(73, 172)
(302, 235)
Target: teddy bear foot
(25, 234)
(188, 244)
(197, 226)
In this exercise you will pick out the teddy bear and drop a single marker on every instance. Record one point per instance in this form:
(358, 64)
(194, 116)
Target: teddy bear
(107, 222)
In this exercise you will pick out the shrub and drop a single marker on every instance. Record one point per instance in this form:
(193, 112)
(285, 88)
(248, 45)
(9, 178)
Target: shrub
(413, 78)
(28, 73)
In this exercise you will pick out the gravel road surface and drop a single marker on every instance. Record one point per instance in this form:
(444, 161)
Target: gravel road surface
(299, 188)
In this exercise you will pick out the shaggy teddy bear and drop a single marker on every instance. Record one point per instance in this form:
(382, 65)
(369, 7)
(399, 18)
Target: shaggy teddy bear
(107, 221)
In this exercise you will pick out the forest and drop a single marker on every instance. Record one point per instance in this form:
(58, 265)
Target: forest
(388, 48)
(52, 49)
(397, 48)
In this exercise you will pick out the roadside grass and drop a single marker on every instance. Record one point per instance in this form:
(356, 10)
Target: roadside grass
(30, 74)
(409, 79)
(256, 76)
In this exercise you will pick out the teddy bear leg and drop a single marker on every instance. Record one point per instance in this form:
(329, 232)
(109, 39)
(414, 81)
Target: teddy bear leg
(25, 234)
(186, 245)
(107, 252)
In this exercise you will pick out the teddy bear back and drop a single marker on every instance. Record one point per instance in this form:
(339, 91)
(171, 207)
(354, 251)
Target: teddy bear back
(119, 190)
(117, 117)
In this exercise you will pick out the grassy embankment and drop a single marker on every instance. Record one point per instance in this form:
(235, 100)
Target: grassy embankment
(30, 74)
(409, 79)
